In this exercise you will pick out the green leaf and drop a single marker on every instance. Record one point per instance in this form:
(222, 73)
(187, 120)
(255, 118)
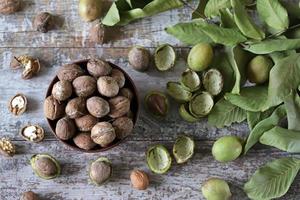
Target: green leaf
(250, 98)
(273, 13)
(283, 139)
(238, 59)
(213, 7)
(264, 126)
(224, 114)
(292, 8)
(244, 22)
(292, 105)
(284, 77)
(273, 45)
(253, 118)
(199, 31)
(277, 56)
(272, 180)
(199, 12)
(227, 19)
(119, 15)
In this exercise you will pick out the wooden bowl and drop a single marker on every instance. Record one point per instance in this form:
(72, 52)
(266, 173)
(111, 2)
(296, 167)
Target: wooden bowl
(134, 108)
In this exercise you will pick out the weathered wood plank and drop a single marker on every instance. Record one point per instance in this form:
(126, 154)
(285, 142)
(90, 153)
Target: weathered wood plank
(181, 182)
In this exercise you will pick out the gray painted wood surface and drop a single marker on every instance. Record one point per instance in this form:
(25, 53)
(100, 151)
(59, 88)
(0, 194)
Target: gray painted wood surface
(69, 42)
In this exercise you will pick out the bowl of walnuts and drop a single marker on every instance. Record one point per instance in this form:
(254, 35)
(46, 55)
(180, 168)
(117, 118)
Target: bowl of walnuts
(91, 105)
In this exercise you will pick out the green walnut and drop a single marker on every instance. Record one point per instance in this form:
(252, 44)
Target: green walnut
(178, 92)
(164, 57)
(190, 80)
(90, 10)
(157, 103)
(183, 149)
(100, 171)
(201, 104)
(158, 159)
(45, 166)
(200, 57)
(216, 189)
(227, 148)
(258, 69)
(213, 81)
(186, 115)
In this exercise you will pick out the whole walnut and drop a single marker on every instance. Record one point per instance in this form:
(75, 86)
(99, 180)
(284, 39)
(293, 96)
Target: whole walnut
(139, 179)
(45, 166)
(84, 141)
(69, 72)
(42, 22)
(53, 109)
(126, 92)
(86, 123)
(62, 90)
(123, 127)
(97, 33)
(9, 6)
(97, 106)
(139, 58)
(119, 77)
(119, 106)
(29, 195)
(98, 67)
(107, 86)
(84, 86)
(103, 134)
(76, 108)
(65, 128)
(100, 171)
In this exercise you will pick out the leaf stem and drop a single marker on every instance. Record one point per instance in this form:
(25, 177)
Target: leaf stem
(281, 32)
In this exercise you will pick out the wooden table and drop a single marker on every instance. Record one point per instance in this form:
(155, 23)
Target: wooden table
(70, 42)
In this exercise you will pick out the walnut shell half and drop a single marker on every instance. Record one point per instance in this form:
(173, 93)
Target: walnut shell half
(33, 133)
(18, 104)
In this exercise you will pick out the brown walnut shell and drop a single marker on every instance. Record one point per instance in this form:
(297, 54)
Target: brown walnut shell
(119, 77)
(7, 148)
(65, 128)
(69, 72)
(76, 108)
(53, 109)
(97, 33)
(139, 58)
(33, 133)
(42, 22)
(97, 106)
(9, 6)
(98, 67)
(18, 104)
(107, 86)
(84, 86)
(62, 90)
(139, 179)
(31, 66)
(103, 134)
(84, 141)
(119, 106)
(29, 195)
(126, 92)
(123, 127)
(86, 123)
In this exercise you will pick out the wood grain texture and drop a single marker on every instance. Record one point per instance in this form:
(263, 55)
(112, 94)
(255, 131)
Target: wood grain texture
(69, 42)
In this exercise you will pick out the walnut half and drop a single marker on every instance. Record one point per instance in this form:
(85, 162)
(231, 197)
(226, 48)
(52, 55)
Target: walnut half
(18, 104)
(32, 133)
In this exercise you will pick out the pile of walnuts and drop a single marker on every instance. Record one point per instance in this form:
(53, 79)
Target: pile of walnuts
(91, 106)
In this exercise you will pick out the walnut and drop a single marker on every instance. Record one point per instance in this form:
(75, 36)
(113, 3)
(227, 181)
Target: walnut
(76, 107)
(84, 141)
(139, 179)
(84, 86)
(65, 128)
(42, 22)
(31, 66)
(62, 90)
(33, 133)
(103, 134)
(29, 195)
(97, 33)
(7, 148)
(9, 6)
(18, 104)
(98, 67)
(123, 127)
(118, 76)
(107, 86)
(139, 58)
(53, 109)
(97, 106)
(126, 92)
(69, 72)
(119, 106)
(86, 123)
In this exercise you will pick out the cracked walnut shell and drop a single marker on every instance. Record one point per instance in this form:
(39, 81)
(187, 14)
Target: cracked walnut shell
(33, 133)
(18, 104)
(31, 66)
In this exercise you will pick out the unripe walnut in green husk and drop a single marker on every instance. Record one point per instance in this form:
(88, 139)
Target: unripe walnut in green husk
(90, 10)
(45, 166)
(100, 171)
(216, 189)
(157, 103)
(258, 69)
(200, 57)
(227, 148)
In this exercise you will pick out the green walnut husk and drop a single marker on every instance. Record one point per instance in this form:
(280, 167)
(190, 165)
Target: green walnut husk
(186, 115)
(213, 81)
(216, 189)
(158, 159)
(164, 57)
(227, 148)
(200, 57)
(100, 171)
(201, 104)
(183, 149)
(157, 103)
(178, 92)
(258, 69)
(190, 80)
(45, 166)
